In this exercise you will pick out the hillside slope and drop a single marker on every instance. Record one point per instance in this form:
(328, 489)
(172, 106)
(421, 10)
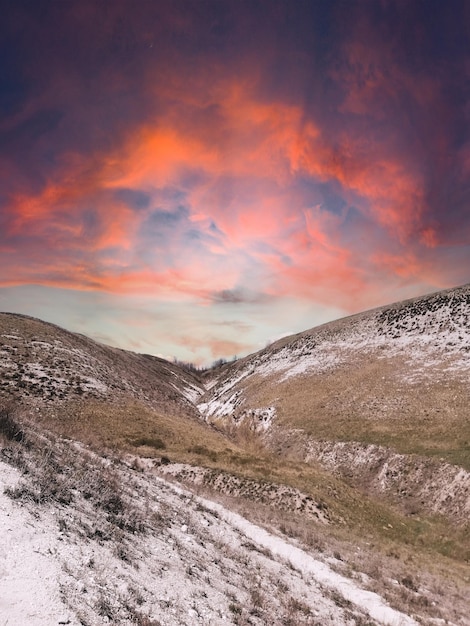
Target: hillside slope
(396, 376)
(42, 361)
(98, 394)
(87, 539)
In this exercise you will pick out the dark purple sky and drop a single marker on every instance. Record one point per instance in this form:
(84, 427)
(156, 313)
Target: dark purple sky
(196, 178)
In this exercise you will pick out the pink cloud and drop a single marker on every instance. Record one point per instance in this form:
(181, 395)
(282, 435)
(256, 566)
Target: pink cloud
(239, 170)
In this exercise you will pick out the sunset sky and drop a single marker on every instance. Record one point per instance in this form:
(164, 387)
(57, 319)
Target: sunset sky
(195, 178)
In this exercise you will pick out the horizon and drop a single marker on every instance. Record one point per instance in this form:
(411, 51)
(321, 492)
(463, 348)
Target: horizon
(196, 180)
(206, 367)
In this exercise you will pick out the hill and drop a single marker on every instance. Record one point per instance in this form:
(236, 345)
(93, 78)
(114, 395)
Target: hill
(394, 376)
(380, 398)
(348, 439)
(97, 393)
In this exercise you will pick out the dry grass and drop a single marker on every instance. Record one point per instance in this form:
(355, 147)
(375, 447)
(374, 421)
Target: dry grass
(105, 517)
(133, 427)
(10, 428)
(413, 578)
(120, 428)
(57, 474)
(367, 536)
(353, 514)
(366, 402)
(362, 401)
(45, 365)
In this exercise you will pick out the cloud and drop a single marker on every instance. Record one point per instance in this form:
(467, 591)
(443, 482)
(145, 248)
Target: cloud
(174, 200)
(215, 346)
(234, 153)
(238, 296)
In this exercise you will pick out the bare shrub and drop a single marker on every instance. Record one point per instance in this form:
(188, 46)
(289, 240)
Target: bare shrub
(296, 612)
(258, 601)
(236, 609)
(144, 620)
(203, 451)
(150, 442)
(105, 608)
(10, 428)
(339, 599)
(409, 583)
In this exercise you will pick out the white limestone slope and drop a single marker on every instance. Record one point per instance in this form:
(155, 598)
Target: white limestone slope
(29, 568)
(198, 563)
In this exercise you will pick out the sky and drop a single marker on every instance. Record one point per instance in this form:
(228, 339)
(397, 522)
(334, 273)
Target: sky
(195, 178)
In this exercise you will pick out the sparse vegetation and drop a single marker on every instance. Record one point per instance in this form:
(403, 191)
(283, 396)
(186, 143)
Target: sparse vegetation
(96, 486)
(377, 523)
(189, 367)
(236, 609)
(55, 474)
(409, 583)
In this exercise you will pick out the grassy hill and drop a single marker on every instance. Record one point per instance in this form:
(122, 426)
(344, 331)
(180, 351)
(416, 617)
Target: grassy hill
(395, 376)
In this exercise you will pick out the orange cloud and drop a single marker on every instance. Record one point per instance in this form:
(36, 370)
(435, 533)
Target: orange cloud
(394, 194)
(245, 137)
(321, 269)
(252, 140)
(214, 346)
(167, 284)
(238, 169)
